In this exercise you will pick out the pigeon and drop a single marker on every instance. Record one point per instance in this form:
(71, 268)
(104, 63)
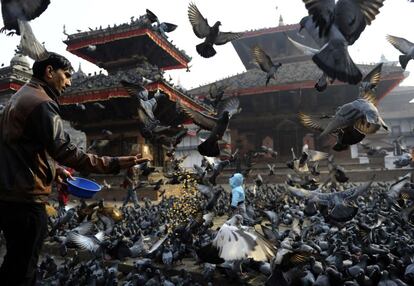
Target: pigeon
(212, 35)
(230, 104)
(335, 26)
(405, 47)
(14, 10)
(217, 125)
(265, 63)
(403, 161)
(94, 244)
(210, 146)
(235, 243)
(217, 169)
(145, 113)
(216, 94)
(330, 199)
(16, 16)
(162, 27)
(271, 169)
(351, 122)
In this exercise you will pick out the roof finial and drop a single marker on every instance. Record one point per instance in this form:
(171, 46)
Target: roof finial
(281, 23)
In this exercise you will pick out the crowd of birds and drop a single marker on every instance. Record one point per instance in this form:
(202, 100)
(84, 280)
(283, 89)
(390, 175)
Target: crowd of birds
(303, 232)
(315, 233)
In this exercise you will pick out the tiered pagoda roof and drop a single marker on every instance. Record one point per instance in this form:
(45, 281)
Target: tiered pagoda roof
(291, 76)
(135, 52)
(132, 42)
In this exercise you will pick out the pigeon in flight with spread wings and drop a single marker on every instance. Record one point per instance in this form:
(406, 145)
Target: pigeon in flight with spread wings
(216, 124)
(352, 121)
(216, 94)
(405, 47)
(265, 63)
(212, 35)
(341, 203)
(234, 242)
(163, 27)
(16, 16)
(147, 121)
(335, 25)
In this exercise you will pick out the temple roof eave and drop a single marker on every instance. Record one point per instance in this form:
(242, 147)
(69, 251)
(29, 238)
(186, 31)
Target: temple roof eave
(298, 75)
(108, 93)
(76, 44)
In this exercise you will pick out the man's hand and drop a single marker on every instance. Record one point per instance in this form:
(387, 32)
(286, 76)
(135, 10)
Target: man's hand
(62, 174)
(126, 162)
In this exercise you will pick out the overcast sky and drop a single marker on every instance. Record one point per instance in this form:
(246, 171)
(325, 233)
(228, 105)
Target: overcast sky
(396, 18)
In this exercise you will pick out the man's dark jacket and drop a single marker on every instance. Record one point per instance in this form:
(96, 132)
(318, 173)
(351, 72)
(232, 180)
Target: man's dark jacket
(32, 139)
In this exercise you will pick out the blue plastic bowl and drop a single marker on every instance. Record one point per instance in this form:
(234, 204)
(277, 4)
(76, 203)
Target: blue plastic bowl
(83, 188)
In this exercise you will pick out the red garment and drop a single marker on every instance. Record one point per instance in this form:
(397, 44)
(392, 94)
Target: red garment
(62, 189)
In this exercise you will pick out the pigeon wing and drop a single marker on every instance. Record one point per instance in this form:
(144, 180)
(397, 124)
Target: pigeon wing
(370, 9)
(262, 59)
(318, 124)
(300, 193)
(83, 242)
(231, 104)
(234, 244)
(200, 25)
(303, 48)
(315, 156)
(322, 12)
(32, 9)
(157, 244)
(374, 76)
(168, 27)
(203, 120)
(400, 44)
(151, 16)
(84, 228)
(225, 37)
(29, 45)
(23, 10)
(133, 89)
(369, 83)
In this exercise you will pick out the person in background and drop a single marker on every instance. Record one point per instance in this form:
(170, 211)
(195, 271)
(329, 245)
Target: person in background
(130, 183)
(237, 194)
(32, 141)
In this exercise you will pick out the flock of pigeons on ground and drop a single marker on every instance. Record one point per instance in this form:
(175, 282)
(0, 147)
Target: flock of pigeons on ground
(303, 232)
(298, 233)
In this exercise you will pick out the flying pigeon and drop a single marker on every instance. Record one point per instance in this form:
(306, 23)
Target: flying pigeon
(212, 35)
(335, 26)
(265, 63)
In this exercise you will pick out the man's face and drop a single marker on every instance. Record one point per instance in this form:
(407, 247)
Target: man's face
(59, 79)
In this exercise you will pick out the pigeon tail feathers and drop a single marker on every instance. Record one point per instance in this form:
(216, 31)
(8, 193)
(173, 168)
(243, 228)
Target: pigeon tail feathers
(206, 50)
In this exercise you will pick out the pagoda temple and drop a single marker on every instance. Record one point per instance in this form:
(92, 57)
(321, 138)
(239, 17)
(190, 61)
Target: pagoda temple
(269, 113)
(14, 76)
(95, 104)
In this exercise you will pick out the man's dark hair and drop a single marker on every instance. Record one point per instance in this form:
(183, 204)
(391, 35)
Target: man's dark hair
(55, 60)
